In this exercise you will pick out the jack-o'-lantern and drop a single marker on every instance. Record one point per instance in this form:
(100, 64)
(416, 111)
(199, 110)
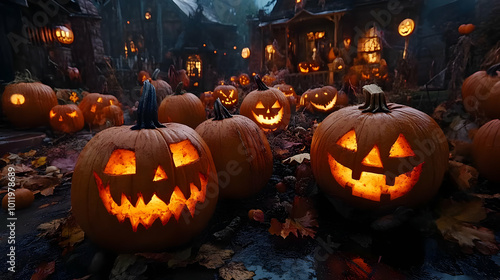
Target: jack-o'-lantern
(163, 89)
(267, 107)
(27, 103)
(142, 76)
(406, 27)
(244, 80)
(290, 94)
(182, 107)
(268, 79)
(486, 150)
(227, 94)
(207, 98)
(250, 153)
(144, 188)
(313, 66)
(66, 118)
(92, 105)
(304, 67)
(379, 155)
(320, 100)
(481, 93)
(113, 115)
(234, 80)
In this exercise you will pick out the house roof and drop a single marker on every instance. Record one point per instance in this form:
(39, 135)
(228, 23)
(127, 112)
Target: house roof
(189, 7)
(303, 15)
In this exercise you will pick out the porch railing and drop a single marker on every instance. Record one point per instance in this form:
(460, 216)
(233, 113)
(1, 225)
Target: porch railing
(303, 81)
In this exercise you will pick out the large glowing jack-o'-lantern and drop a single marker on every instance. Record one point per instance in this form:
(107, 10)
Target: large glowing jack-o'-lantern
(227, 94)
(320, 100)
(379, 155)
(267, 107)
(146, 187)
(66, 118)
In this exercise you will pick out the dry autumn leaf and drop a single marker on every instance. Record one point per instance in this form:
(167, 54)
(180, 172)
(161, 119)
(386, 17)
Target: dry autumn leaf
(212, 257)
(463, 176)
(44, 270)
(298, 158)
(40, 183)
(235, 271)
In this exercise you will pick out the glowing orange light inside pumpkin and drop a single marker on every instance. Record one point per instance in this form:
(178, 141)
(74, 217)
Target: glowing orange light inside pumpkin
(195, 84)
(121, 162)
(52, 114)
(401, 148)
(183, 153)
(156, 208)
(73, 97)
(373, 158)
(348, 141)
(93, 108)
(99, 100)
(60, 118)
(73, 114)
(17, 99)
(406, 27)
(160, 174)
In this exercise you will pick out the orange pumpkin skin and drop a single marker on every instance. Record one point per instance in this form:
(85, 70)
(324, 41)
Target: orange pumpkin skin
(185, 108)
(248, 165)
(93, 104)
(320, 100)
(66, 118)
(486, 150)
(113, 115)
(24, 199)
(354, 155)
(156, 151)
(267, 107)
(207, 98)
(481, 93)
(142, 76)
(465, 29)
(27, 105)
(227, 94)
(290, 94)
(163, 89)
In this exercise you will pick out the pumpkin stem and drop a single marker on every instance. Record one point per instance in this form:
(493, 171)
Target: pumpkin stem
(492, 71)
(147, 112)
(260, 84)
(155, 74)
(179, 89)
(374, 100)
(220, 111)
(25, 77)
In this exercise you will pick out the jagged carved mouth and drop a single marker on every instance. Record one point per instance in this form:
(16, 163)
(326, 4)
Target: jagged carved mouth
(146, 213)
(373, 186)
(327, 106)
(269, 120)
(228, 102)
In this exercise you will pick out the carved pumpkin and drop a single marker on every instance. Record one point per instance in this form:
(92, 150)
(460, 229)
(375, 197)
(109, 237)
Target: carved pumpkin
(244, 80)
(320, 100)
(163, 89)
(290, 94)
(268, 80)
(267, 107)
(486, 150)
(146, 187)
(66, 118)
(481, 93)
(379, 155)
(92, 105)
(68, 95)
(207, 98)
(465, 29)
(142, 76)
(227, 94)
(406, 27)
(304, 67)
(74, 74)
(27, 104)
(182, 107)
(113, 115)
(245, 168)
(313, 66)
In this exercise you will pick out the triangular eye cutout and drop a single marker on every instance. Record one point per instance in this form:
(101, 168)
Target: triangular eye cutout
(160, 174)
(348, 141)
(373, 158)
(276, 105)
(259, 105)
(401, 148)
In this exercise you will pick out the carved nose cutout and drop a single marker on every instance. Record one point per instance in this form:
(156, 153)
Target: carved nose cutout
(160, 174)
(373, 158)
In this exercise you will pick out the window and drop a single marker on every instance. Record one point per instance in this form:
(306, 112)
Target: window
(193, 66)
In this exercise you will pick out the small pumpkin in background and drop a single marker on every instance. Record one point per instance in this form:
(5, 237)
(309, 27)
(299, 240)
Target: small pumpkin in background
(66, 118)
(27, 103)
(163, 89)
(182, 107)
(268, 80)
(465, 29)
(234, 80)
(481, 93)
(175, 77)
(303, 67)
(267, 107)
(290, 94)
(486, 150)
(227, 94)
(93, 104)
(113, 115)
(23, 199)
(207, 98)
(244, 80)
(245, 168)
(146, 187)
(379, 155)
(320, 100)
(142, 76)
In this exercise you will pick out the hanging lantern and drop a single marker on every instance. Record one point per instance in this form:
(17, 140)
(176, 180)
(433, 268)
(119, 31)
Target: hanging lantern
(245, 53)
(64, 35)
(406, 27)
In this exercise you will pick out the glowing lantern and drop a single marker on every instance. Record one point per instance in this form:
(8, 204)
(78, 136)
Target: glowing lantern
(375, 156)
(66, 118)
(269, 52)
(147, 15)
(132, 197)
(227, 94)
(64, 35)
(406, 27)
(304, 67)
(245, 53)
(244, 80)
(267, 107)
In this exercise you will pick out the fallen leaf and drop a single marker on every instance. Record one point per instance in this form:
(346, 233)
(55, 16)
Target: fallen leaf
(439, 112)
(458, 223)
(128, 266)
(235, 271)
(47, 191)
(49, 229)
(463, 176)
(256, 215)
(71, 233)
(39, 162)
(212, 257)
(44, 270)
(31, 153)
(38, 183)
(19, 169)
(298, 158)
